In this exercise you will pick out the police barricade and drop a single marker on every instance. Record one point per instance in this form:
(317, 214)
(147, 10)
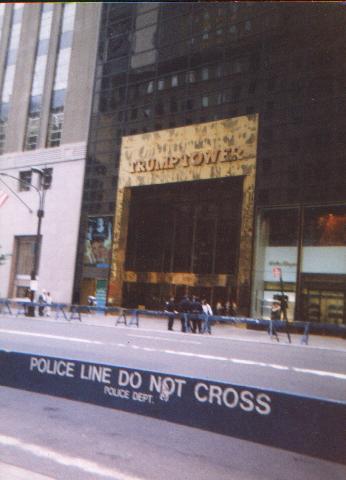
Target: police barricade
(310, 426)
(273, 327)
(130, 317)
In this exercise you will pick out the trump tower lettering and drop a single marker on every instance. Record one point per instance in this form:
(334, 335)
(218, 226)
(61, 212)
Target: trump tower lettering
(305, 425)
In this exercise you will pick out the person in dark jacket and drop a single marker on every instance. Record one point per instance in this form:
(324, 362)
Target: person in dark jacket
(275, 313)
(196, 311)
(171, 309)
(185, 310)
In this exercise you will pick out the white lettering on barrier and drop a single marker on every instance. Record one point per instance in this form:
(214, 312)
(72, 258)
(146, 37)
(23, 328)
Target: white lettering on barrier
(166, 385)
(263, 400)
(142, 397)
(231, 398)
(134, 379)
(117, 392)
(95, 373)
(49, 366)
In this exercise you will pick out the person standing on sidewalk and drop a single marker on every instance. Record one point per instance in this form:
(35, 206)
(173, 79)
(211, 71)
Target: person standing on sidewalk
(207, 312)
(185, 310)
(49, 302)
(197, 311)
(42, 300)
(171, 309)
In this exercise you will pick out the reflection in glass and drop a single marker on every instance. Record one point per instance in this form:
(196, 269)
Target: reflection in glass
(56, 118)
(276, 257)
(34, 113)
(10, 67)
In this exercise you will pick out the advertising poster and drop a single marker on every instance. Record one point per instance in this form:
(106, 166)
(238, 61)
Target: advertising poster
(98, 242)
(101, 293)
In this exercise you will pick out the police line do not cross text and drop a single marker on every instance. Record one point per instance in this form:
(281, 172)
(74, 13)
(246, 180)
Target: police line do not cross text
(133, 385)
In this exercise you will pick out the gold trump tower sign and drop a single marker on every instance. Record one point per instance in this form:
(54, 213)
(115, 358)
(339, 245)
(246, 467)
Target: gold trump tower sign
(213, 150)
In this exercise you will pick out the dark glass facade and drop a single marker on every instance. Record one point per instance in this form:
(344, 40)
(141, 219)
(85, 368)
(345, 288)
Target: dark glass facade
(164, 65)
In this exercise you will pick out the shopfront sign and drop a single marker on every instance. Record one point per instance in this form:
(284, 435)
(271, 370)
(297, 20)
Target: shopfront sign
(195, 159)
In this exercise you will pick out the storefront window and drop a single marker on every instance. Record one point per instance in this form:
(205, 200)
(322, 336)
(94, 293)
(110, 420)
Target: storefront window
(324, 241)
(323, 268)
(325, 227)
(276, 259)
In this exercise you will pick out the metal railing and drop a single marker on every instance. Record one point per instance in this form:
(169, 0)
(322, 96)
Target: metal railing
(131, 316)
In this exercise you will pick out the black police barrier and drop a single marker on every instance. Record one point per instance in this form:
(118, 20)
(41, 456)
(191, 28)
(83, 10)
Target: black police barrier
(310, 426)
(272, 326)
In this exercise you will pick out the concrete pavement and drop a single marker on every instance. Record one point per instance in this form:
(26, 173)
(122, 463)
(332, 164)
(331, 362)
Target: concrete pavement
(223, 330)
(235, 332)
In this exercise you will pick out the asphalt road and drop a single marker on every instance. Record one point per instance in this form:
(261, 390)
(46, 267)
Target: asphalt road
(67, 440)
(63, 439)
(318, 372)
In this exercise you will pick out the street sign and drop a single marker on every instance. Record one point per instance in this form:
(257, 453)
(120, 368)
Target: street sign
(277, 272)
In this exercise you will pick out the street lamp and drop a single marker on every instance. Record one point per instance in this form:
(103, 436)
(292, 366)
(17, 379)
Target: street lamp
(40, 214)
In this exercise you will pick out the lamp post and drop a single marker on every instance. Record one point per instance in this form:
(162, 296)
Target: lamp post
(40, 214)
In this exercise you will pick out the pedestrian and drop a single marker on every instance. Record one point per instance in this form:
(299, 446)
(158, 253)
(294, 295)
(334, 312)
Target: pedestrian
(196, 315)
(228, 308)
(184, 310)
(234, 308)
(42, 300)
(207, 312)
(171, 310)
(275, 313)
(49, 302)
(91, 302)
(27, 298)
(219, 308)
(231, 308)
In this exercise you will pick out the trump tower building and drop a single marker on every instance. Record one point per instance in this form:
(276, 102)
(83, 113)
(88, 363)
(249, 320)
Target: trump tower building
(216, 156)
(188, 148)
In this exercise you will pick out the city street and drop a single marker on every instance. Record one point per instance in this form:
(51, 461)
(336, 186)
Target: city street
(64, 439)
(231, 354)
(162, 160)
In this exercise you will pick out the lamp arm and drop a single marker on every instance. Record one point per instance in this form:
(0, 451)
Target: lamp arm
(17, 196)
(23, 182)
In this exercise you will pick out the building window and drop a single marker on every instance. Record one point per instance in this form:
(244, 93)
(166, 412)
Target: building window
(10, 69)
(248, 26)
(174, 81)
(205, 101)
(150, 88)
(24, 181)
(34, 112)
(325, 227)
(2, 11)
(205, 73)
(56, 118)
(25, 255)
(191, 76)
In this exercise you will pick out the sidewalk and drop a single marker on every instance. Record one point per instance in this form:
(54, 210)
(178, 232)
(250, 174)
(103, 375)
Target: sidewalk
(219, 330)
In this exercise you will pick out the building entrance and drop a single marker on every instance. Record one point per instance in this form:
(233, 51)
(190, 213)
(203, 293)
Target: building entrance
(183, 238)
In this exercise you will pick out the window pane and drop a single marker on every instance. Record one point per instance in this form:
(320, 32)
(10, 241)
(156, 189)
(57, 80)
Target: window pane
(25, 180)
(325, 227)
(25, 255)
